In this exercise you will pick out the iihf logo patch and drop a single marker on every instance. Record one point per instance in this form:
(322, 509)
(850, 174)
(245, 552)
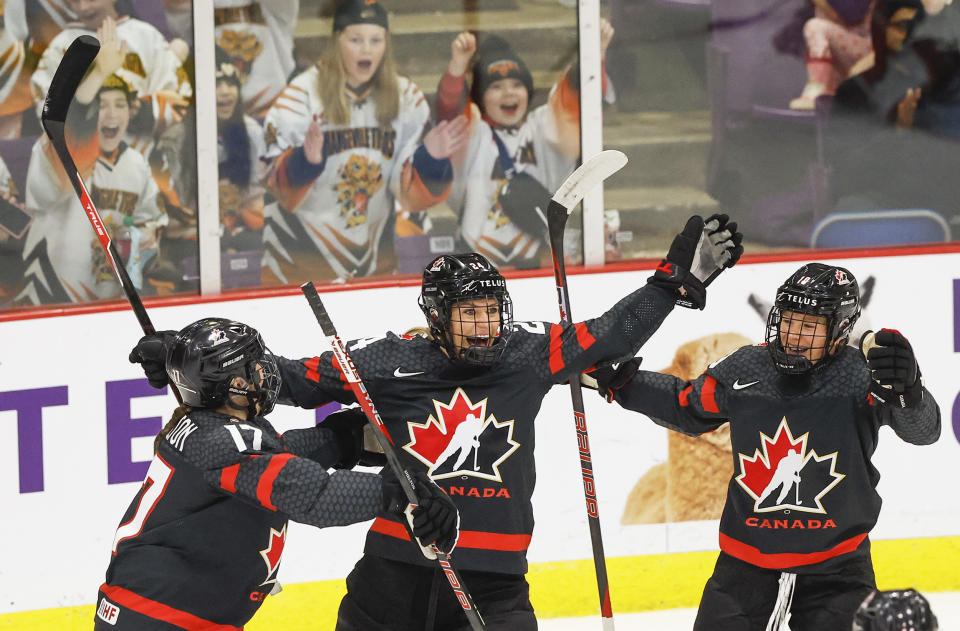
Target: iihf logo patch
(783, 474)
(462, 440)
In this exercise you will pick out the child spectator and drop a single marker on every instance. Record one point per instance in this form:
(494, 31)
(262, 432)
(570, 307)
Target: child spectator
(496, 212)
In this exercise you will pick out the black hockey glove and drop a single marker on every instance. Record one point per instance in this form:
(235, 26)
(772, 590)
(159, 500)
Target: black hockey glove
(697, 256)
(350, 427)
(434, 521)
(151, 353)
(609, 378)
(347, 427)
(893, 366)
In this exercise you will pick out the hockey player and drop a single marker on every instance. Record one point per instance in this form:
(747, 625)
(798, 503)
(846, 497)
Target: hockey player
(895, 610)
(199, 546)
(804, 391)
(344, 138)
(497, 216)
(480, 368)
(63, 262)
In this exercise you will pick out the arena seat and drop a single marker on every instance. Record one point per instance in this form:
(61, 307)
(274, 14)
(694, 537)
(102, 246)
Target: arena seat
(879, 227)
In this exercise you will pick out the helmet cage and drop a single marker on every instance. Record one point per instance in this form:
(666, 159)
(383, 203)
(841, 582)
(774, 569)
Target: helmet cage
(837, 311)
(477, 279)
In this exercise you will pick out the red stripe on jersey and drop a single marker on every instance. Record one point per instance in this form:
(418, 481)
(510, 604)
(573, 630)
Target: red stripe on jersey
(228, 477)
(583, 335)
(468, 538)
(781, 560)
(265, 484)
(556, 343)
(684, 394)
(706, 395)
(312, 365)
(159, 611)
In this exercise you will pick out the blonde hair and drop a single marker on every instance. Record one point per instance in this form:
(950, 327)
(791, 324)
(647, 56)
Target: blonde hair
(332, 84)
(422, 331)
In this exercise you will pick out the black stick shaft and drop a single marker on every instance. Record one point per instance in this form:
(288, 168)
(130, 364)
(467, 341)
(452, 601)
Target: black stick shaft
(556, 222)
(349, 370)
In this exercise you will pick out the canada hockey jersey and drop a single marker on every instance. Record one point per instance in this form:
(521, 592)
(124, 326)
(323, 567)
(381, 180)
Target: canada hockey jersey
(203, 537)
(472, 428)
(803, 490)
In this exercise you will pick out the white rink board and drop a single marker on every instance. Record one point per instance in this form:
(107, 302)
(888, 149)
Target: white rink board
(56, 541)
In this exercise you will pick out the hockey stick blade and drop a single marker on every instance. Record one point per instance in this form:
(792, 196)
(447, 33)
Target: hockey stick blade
(355, 383)
(587, 175)
(77, 58)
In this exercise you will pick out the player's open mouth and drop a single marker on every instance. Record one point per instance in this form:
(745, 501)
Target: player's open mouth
(480, 341)
(109, 132)
(510, 110)
(796, 350)
(364, 66)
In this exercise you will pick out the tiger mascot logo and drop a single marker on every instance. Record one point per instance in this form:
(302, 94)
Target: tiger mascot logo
(360, 179)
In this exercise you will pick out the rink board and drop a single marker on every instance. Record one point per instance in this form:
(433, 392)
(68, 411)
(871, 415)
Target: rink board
(76, 426)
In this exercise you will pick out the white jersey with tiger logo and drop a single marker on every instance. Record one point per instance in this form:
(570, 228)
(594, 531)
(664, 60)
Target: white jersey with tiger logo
(340, 217)
(535, 149)
(63, 260)
(258, 36)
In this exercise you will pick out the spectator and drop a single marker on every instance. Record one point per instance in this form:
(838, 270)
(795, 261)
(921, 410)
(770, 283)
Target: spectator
(498, 219)
(837, 37)
(240, 145)
(343, 139)
(62, 258)
(258, 36)
(150, 67)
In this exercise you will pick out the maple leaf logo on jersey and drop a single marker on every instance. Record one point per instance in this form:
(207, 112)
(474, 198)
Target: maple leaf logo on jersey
(271, 554)
(462, 440)
(782, 474)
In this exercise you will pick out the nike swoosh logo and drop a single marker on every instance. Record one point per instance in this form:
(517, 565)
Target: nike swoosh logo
(740, 386)
(400, 373)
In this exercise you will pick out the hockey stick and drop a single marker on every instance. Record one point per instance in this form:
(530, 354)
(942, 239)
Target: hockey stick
(349, 370)
(587, 175)
(66, 80)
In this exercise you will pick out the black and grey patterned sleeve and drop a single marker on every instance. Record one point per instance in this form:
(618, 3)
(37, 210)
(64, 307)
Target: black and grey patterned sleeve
(691, 408)
(616, 335)
(311, 382)
(919, 425)
(300, 488)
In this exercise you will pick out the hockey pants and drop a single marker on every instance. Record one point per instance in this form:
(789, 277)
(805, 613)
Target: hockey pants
(384, 595)
(742, 597)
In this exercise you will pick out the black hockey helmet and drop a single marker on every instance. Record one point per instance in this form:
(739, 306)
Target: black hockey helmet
(453, 278)
(895, 610)
(205, 357)
(814, 290)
